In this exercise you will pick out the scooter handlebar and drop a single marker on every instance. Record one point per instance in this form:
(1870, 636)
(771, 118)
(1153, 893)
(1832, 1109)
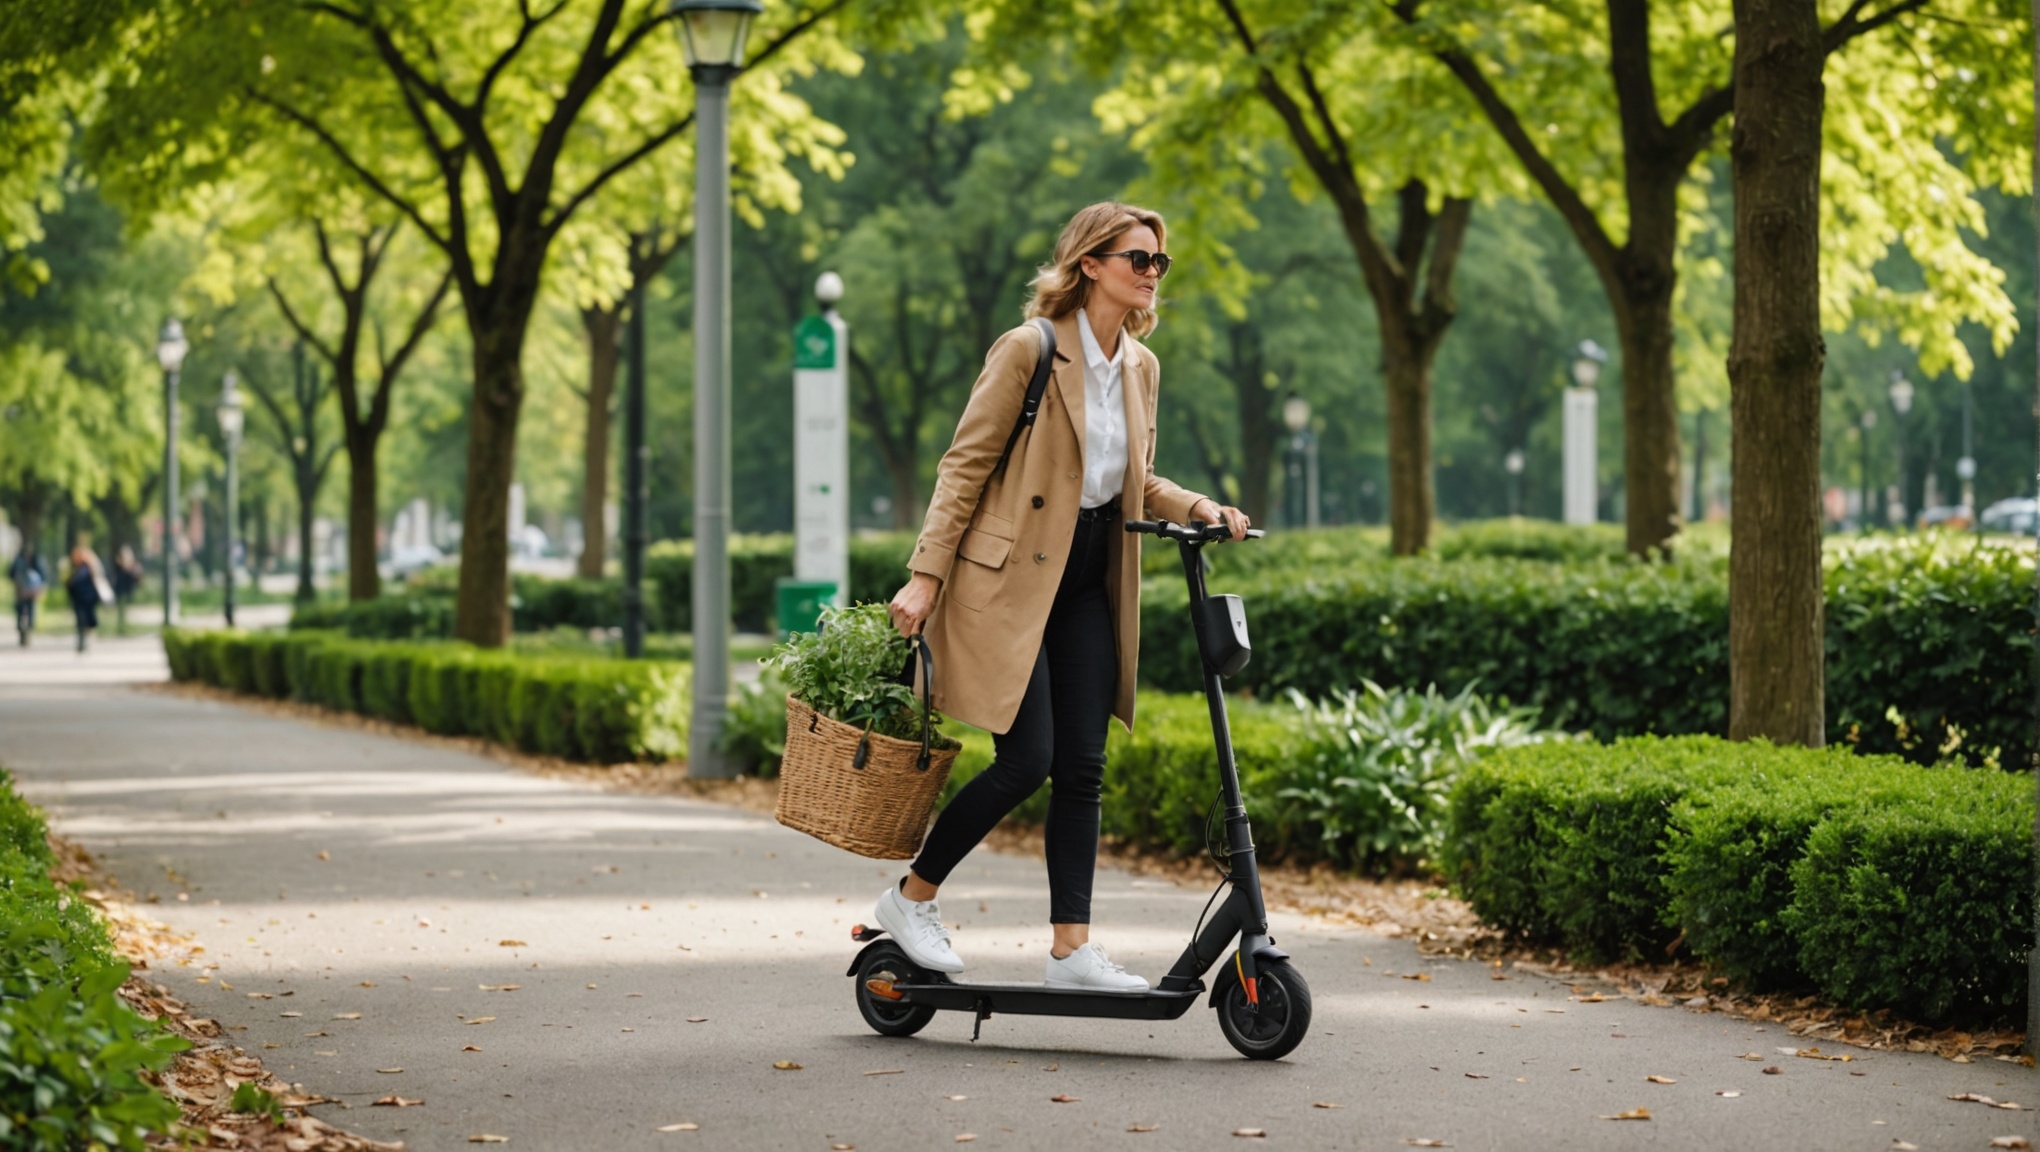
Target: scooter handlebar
(1195, 532)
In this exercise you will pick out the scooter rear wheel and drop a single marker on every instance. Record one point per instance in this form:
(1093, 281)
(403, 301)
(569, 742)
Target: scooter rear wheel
(889, 1017)
(1272, 1029)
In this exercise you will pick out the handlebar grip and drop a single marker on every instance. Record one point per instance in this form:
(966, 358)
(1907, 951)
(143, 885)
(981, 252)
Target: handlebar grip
(1256, 534)
(1142, 526)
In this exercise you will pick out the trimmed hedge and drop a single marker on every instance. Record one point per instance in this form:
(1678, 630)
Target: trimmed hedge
(1927, 643)
(604, 711)
(73, 1054)
(1878, 882)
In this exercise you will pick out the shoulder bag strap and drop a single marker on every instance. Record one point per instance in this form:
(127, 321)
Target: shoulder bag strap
(1036, 386)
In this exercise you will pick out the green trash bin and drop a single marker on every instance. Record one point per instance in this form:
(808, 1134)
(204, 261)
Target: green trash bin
(800, 604)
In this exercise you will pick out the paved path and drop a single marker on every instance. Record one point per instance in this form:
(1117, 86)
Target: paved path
(339, 873)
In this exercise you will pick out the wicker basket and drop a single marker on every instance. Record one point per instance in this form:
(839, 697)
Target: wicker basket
(878, 810)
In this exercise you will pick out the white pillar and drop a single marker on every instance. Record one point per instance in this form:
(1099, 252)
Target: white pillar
(1580, 454)
(821, 451)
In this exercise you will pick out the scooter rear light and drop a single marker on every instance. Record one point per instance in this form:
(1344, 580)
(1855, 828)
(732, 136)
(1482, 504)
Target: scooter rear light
(884, 989)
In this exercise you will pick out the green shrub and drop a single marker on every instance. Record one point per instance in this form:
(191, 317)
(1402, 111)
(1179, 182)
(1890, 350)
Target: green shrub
(233, 660)
(1730, 850)
(1370, 775)
(177, 644)
(1924, 906)
(433, 692)
(267, 653)
(1926, 641)
(386, 681)
(754, 730)
(632, 710)
(1522, 538)
(1560, 842)
(73, 1055)
(335, 668)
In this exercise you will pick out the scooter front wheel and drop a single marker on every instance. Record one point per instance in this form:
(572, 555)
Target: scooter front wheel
(1273, 1028)
(883, 967)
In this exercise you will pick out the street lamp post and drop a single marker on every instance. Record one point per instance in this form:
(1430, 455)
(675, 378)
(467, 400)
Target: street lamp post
(170, 350)
(1302, 488)
(1867, 422)
(1582, 405)
(713, 33)
(1901, 392)
(636, 493)
(1513, 464)
(1965, 468)
(231, 415)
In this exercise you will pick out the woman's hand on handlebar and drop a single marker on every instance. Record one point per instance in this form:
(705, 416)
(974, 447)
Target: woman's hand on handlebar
(913, 602)
(1212, 512)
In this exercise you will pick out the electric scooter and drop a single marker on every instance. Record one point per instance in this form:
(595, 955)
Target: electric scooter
(1262, 1002)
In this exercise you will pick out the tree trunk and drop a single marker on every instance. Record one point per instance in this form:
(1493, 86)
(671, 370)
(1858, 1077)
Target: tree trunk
(482, 617)
(906, 495)
(363, 581)
(307, 494)
(1650, 410)
(604, 327)
(1776, 676)
(1412, 497)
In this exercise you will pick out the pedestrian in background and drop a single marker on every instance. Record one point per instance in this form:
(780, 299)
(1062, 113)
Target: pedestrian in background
(127, 580)
(30, 580)
(87, 588)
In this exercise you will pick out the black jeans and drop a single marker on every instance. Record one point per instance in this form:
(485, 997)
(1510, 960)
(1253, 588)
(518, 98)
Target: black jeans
(1058, 735)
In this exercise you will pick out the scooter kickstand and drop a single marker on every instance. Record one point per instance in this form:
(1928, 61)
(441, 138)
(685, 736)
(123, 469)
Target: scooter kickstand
(984, 1013)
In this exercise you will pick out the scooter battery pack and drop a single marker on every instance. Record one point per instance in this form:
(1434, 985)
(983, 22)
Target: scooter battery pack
(1222, 634)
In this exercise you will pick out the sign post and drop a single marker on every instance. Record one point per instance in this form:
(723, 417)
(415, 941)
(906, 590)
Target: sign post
(821, 453)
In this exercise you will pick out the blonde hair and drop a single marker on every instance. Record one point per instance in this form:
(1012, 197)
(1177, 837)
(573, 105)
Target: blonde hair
(1060, 286)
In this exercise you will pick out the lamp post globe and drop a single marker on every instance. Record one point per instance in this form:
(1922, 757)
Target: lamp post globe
(171, 348)
(714, 32)
(1901, 393)
(1587, 361)
(828, 290)
(714, 35)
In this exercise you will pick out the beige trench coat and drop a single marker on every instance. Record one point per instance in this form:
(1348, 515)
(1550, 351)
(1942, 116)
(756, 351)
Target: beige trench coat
(1001, 559)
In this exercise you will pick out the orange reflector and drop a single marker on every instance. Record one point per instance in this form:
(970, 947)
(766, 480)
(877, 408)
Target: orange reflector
(856, 930)
(883, 988)
(1253, 993)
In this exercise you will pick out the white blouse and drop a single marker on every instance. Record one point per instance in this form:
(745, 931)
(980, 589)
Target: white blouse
(1104, 418)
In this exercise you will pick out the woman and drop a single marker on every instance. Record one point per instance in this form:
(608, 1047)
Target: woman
(87, 588)
(30, 580)
(1028, 588)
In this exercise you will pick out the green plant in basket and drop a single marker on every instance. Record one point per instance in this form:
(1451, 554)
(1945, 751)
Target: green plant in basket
(848, 669)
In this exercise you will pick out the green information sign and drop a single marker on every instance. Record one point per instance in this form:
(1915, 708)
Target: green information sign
(814, 344)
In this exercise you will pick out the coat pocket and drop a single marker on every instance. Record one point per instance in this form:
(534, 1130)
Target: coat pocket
(973, 583)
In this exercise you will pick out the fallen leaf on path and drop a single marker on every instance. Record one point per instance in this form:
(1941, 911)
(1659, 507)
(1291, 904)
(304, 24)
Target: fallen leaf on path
(1056, 1067)
(842, 1148)
(395, 1102)
(488, 1138)
(1979, 1098)
(364, 984)
(1064, 1098)
(1817, 1054)
(1476, 1075)
(290, 1015)
(697, 1019)
(1731, 1093)
(1774, 1070)
(1325, 1104)
(1632, 1114)
(1661, 1079)
(1424, 976)
(965, 1137)
(1751, 1056)
(885, 1071)
(1251, 1133)
(786, 1065)
(1596, 998)
(2010, 1142)
(325, 855)
(630, 1029)
(499, 987)
(511, 944)
(1425, 1142)
(1904, 1146)
(389, 1071)
(226, 986)
(680, 1128)
(470, 1048)
(482, 1020)
(1142, 1127)
(260, 996)
(347, 1016)
(956, 1097)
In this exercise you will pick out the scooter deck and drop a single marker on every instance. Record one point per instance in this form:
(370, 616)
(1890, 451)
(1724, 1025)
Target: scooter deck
(1041, 1000)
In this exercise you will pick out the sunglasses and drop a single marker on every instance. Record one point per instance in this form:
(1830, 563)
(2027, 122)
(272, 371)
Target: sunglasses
(1142, 261)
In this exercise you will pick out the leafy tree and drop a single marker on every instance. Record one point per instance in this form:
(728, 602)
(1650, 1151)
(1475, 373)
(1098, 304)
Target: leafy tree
(1615, 163)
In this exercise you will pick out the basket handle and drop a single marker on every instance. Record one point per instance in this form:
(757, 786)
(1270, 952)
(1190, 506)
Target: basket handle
(920, 648)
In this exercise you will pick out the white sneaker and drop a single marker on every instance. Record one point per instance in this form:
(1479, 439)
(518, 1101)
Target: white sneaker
(918, 929)
(1087, 967)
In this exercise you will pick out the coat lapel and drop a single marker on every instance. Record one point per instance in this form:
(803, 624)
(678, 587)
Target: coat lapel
(1069, 374)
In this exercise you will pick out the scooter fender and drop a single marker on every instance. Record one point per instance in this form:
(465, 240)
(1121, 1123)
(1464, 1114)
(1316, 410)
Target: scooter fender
(858, 961)
(1264, 953)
